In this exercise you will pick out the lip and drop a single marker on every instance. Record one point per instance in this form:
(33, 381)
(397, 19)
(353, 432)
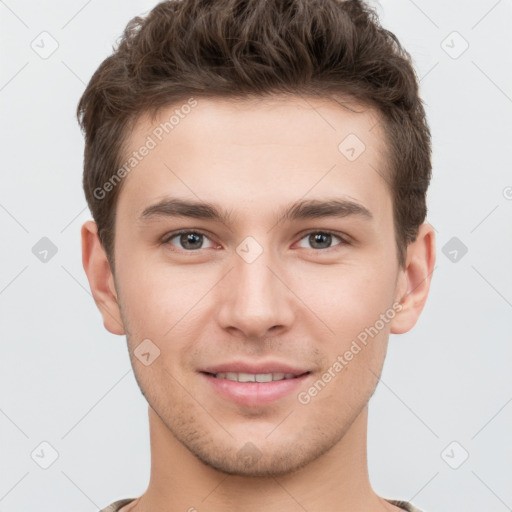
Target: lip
(255, 394)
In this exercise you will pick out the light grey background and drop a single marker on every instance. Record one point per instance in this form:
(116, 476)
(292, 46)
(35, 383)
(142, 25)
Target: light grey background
(68, 382)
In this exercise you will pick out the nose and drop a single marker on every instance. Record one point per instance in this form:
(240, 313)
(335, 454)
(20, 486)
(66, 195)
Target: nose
(256, 300)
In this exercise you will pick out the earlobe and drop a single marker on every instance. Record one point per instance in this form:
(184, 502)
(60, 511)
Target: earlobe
(414, 285)
(101, 279)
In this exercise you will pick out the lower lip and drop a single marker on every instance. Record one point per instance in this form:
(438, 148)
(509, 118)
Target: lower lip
(254, 393)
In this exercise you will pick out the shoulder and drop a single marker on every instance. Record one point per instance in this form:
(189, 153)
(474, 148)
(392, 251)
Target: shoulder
(117, 505)
(405, 505)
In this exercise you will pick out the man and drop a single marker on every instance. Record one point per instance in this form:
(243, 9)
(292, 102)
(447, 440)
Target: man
(257, 174)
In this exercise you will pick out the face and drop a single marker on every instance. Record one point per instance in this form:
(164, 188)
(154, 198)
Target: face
(288, 267)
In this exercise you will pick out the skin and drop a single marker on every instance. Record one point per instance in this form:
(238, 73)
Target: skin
(299, 302)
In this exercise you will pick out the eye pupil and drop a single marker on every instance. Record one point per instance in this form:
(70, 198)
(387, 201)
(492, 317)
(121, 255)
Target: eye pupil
(321, 238)
(188, 239)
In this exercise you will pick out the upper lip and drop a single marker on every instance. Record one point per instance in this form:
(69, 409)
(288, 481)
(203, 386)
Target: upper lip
(246, 367)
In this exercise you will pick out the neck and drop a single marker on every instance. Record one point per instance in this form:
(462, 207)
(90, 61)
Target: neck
(180, 481)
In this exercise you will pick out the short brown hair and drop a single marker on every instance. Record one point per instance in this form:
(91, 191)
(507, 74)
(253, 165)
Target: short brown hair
(241, 48)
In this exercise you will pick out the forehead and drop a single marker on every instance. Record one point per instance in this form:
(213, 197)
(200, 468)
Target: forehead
(254, 152)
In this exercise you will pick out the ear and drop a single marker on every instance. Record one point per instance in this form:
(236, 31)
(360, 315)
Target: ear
(101, 279)
(413, 282)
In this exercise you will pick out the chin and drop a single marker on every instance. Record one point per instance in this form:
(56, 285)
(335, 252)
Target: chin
(265, 467)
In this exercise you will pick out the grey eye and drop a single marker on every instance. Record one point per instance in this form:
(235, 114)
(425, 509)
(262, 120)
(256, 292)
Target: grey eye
(189, 240)
(320, 240)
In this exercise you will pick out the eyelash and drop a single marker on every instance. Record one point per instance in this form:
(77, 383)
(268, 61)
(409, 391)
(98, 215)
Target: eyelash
(343, 239)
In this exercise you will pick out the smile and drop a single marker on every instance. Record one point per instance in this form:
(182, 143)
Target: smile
(254, 389)
(254, 377)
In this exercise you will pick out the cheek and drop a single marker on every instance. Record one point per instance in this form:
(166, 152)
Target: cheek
(347, 298)
(158, 300)
(355, 349)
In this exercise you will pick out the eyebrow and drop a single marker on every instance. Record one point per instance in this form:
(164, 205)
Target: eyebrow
(300, 210)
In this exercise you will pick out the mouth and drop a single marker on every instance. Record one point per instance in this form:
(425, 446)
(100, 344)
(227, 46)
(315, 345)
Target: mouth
(254, 389)
(255, 377)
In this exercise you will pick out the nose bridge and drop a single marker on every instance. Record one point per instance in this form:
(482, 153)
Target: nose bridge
(256, 299)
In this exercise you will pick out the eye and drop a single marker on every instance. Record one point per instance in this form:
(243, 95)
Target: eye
(187, 240)
(191, 241)
(322, 239)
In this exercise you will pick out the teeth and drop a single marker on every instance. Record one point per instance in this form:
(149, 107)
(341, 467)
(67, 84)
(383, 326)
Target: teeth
(254, 377)
(264, 377)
